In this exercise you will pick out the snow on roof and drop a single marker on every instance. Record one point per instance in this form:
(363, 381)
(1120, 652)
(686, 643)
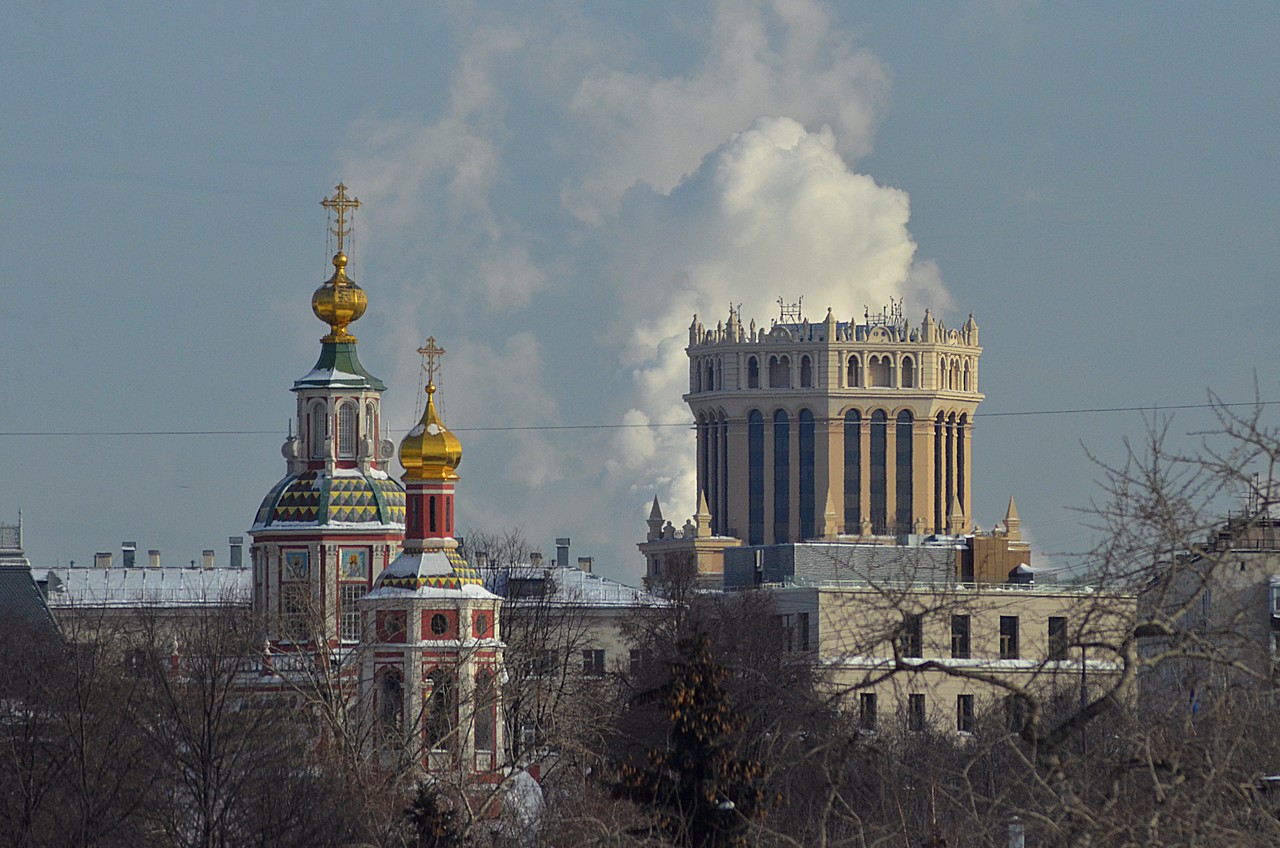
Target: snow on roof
(151, 587)
(571, 587)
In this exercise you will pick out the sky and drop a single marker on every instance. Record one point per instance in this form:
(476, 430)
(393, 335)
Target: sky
(552, 190)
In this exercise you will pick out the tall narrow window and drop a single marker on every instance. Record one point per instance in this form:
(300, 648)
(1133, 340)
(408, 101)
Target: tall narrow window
(853, 377)
(431, 514)
(908, 373)
(867, 712)
(915, 713)
(712, 485)
(370, 425)
(440, 706)
(879, 473)
(710, 384)
(960, 637)
(903, 450)
(319, 430)
(721, 512)
(964, 713)
(755, 478)
(808, 492)
(486, 703)
(1008, 637)
(852, 472)
(349, 614)
(390, 706)
(347, 430)
(781, 477)
(753, 373)
(939, 464)
(961, 426)
(806, 372)
(1057, 638)
(913, 635)
(951, 466)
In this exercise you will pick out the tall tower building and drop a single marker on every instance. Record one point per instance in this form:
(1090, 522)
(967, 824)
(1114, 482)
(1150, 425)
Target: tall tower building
(336, 518)
(432, 664)
(835, 428)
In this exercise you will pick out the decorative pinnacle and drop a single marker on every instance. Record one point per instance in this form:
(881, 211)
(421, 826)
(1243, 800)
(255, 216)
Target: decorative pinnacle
(341, 204)
(431, 353)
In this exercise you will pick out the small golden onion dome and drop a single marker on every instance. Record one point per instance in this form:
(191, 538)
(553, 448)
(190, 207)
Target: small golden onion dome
(429, 451)
(339, 302)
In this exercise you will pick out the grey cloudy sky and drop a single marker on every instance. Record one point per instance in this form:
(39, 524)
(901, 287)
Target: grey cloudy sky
(551, 192)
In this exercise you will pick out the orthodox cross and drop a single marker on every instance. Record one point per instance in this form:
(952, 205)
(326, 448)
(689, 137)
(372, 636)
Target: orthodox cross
(341, 203)
(430, 354)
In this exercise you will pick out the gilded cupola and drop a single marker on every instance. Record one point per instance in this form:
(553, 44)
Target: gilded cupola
(429, 451)
(339, 301)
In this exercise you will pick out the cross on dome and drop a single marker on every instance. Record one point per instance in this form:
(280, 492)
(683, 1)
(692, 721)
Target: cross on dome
(431, 353)
(341, 204)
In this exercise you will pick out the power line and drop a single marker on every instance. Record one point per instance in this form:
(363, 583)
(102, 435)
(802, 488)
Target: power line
(685, 424)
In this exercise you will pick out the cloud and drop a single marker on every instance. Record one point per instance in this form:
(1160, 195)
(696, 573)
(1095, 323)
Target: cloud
(763, 57)
(774, 211)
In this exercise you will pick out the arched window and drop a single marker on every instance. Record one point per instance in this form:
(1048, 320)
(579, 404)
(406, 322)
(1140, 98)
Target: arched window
(955, 374)
(755, 478)
(440, 706)
(347, 430)
(806, 372)
(879, 371)
(779, 372)
(966, 376)
(903, 489)
(753, 373)
(852, 472)
(944, 374)
(879, 473)
(908, 373)
(710, 384)
(781, 477)
(808, 494)
(370, 425)
(853, 379)
(961, 427)
(951, 463)
(319, 430)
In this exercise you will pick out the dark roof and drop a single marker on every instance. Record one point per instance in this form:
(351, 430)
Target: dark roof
(20, 597)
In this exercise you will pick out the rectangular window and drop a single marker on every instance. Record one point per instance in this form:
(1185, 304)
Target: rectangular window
(637, 660)
(349, 613)
(802, 630)
(913, 636)
(964, 713)
(915, 713)
(295, 603)
(1008, 637)
(960, 637)
(593, 662)
(1057, 638)
(867, 712)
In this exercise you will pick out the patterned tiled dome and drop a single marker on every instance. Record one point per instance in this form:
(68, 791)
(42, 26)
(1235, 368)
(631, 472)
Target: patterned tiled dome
(430, 569)
(317, 498)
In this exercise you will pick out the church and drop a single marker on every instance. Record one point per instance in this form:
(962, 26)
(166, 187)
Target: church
(360, 572)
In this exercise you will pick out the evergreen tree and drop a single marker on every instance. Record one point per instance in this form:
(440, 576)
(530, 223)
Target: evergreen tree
(701, 792)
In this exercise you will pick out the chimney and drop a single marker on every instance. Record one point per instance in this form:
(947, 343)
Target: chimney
(535, 558)
(237, 551)
(102, 559)
(562, 552)
(207, 559)
(586, 564)
(153, 558)
(128, 551)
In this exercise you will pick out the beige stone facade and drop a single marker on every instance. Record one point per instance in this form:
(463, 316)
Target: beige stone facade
(815, 430)
(940, 656)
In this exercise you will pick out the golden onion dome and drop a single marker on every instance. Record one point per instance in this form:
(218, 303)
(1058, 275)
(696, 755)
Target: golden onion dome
(339, 302)
(429, 451)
